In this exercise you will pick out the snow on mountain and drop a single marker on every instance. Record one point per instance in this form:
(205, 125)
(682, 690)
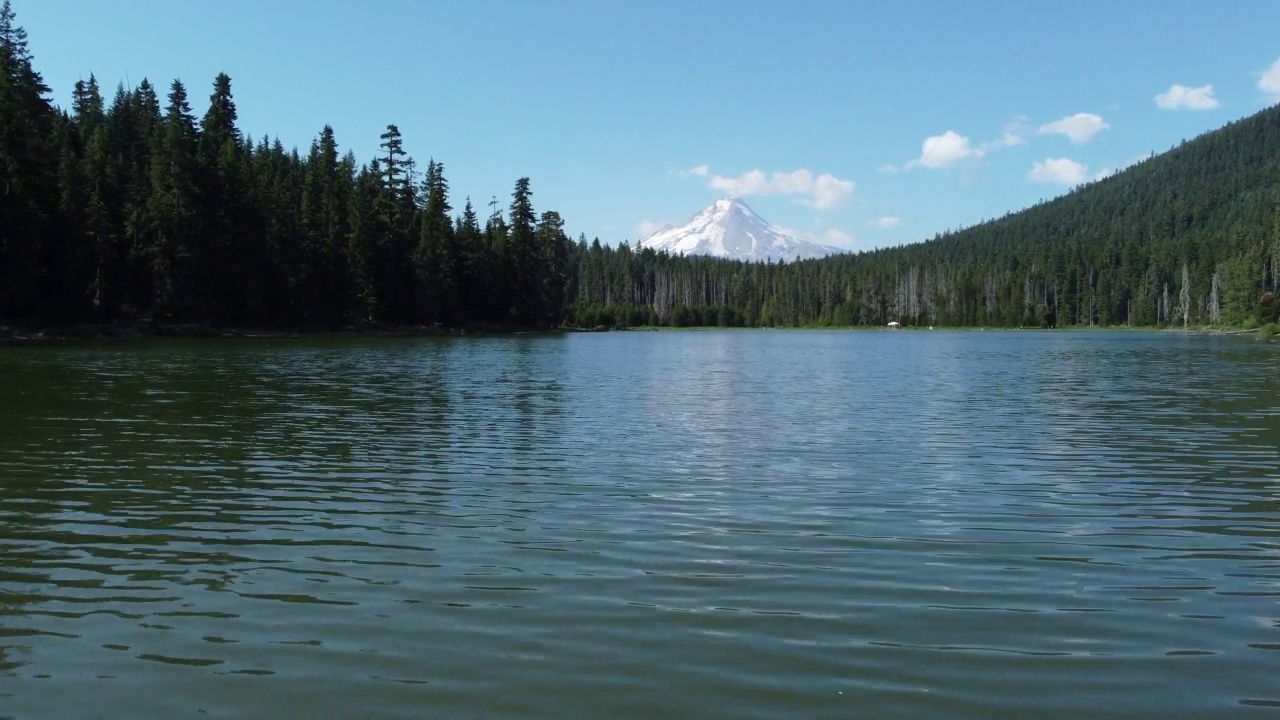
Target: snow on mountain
(730, 229)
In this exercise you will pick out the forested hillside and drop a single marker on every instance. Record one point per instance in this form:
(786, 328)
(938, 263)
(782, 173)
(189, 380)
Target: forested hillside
(135, 208)
(1191, 236)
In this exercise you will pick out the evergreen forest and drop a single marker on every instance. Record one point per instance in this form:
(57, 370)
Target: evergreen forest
(1190, 237)
(138, 209)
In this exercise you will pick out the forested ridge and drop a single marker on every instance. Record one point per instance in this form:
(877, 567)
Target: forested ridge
(137, 209)
(1188, 237)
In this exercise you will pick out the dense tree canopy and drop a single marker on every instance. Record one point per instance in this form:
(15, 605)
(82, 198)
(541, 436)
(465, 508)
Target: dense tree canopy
(137, 208)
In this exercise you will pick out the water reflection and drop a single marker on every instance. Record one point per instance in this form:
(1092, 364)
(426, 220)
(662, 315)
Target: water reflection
(634, 524)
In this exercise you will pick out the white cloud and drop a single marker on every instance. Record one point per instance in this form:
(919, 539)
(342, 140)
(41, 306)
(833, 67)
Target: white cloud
(1008, 140)
(1269, 82)
(831, 236)
(951, 148)
(1181, 97)
(945, 150)
(1064, 171)
(837, 238)
(886, 222)
(647, 228)
(823, 192)
(1079, 128)
(1105, 173)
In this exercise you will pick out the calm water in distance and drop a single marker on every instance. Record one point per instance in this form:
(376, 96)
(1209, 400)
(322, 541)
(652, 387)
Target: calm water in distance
(746, 524)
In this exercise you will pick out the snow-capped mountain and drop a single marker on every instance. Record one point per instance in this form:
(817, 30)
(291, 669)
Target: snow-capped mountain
(731, 229)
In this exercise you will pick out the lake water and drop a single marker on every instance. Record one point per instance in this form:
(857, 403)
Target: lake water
(745, 524)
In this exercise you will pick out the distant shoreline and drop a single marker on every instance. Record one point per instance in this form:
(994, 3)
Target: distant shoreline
(44, 334)
(34, 335)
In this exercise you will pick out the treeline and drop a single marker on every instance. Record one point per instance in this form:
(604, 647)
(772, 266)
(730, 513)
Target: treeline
(1190, 237)
(135, 208)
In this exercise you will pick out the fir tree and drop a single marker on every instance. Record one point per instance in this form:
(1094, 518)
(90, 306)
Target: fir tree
(367, 224)
(521, 254)
(173, 208)
(435, 257)
(394, 161)
(475, 266)
(28, 173)
(552, 250)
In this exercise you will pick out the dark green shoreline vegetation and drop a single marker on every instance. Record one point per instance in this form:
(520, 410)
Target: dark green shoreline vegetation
(136, 216)
(133, 217)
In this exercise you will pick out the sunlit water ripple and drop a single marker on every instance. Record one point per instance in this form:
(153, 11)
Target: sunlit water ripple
(713, 524)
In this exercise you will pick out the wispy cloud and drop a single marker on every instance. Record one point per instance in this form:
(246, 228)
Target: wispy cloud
(1079, 128)
(1019, 127)
(838, 239)
(951, 148)
(821, 192)
(647, 228)
(886, 222)
(1010, 138)
(1063, 171)
(830, 236)
(1269, 82)
(696, 171)
(1181, 97)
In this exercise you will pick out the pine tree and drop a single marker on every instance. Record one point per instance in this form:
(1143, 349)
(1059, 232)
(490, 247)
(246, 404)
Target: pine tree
(552, 251)
(1274, 250)
(222, 270)
(278, 193)
(475, 266)
(28, 173)
(132, 123)
(1239, 289)
(521, 254)
(219, 124)
(87, 107)
(394, 161)
(367, 224)
(435, 257)
(173, 209)
(393, 265)
(70, 275)
(325, 216)
(99, 210)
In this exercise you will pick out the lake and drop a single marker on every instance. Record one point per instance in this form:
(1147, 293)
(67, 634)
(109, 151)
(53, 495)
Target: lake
(745, 524)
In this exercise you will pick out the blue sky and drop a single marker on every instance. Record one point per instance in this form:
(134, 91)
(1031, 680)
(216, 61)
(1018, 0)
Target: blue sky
(863, 124)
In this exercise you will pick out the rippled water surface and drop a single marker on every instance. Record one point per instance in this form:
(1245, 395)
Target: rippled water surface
(643, 525)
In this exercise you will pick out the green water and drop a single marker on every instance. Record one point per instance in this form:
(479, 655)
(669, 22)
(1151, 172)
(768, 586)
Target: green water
(643, 525)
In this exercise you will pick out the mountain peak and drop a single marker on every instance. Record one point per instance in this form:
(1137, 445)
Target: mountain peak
(730, 229)
(729, 203)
